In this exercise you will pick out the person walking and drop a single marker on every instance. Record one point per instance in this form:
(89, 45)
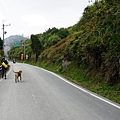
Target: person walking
(4, 63)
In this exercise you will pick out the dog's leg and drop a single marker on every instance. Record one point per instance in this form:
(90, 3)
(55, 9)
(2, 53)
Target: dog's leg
(15, 78)
(20, 78)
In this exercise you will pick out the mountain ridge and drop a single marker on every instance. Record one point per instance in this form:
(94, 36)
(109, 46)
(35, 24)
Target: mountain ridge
(9, 42)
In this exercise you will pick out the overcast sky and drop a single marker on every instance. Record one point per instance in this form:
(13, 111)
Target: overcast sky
(35, 16)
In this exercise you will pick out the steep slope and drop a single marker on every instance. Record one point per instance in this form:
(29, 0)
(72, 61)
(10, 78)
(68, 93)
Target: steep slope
(95, 45)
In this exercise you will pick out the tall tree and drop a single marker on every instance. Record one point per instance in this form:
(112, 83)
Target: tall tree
(36, 45)
(1, 44)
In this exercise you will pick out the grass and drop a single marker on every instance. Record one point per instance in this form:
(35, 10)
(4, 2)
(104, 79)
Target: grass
(77, 76)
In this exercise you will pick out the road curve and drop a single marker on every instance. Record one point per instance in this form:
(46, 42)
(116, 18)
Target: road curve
(43, 95)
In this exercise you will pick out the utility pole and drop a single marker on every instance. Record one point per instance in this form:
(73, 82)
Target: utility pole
(4, 32)
(24, 53)
(25, 50)
(3, 37)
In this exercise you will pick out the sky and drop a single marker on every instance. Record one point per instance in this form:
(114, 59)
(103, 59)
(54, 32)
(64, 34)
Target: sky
(26, 17)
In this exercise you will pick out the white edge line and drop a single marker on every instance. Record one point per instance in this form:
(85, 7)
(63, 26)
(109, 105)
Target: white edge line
(77, 88)
(82, 89)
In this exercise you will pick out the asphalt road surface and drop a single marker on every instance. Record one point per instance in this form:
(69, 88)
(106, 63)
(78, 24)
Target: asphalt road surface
(43, 95)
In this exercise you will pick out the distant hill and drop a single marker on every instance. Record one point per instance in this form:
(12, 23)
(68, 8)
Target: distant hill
(9, 42)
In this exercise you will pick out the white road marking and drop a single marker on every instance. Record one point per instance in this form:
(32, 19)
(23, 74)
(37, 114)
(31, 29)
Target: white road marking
(117, 106)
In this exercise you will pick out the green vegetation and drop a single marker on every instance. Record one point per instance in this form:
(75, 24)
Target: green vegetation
(91, 46)
(36, 45)
(1, 47)
(78, 76)
(1, 44)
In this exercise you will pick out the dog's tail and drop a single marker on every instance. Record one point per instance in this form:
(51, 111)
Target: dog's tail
(13, 70)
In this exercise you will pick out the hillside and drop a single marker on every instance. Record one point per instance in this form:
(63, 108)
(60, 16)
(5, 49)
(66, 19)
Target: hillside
(95, 45)
(90, 49)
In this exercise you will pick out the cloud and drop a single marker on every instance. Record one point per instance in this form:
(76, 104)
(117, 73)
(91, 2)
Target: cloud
(35, 20)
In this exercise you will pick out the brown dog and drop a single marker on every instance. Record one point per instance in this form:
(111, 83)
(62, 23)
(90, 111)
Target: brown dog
(17, 75)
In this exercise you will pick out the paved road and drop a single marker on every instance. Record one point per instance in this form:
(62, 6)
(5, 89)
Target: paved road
(42, 95)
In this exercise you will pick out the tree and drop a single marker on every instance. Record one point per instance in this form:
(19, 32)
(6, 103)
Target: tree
(1, 44)
(63, 33)
(36, 45)
(52, 40)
